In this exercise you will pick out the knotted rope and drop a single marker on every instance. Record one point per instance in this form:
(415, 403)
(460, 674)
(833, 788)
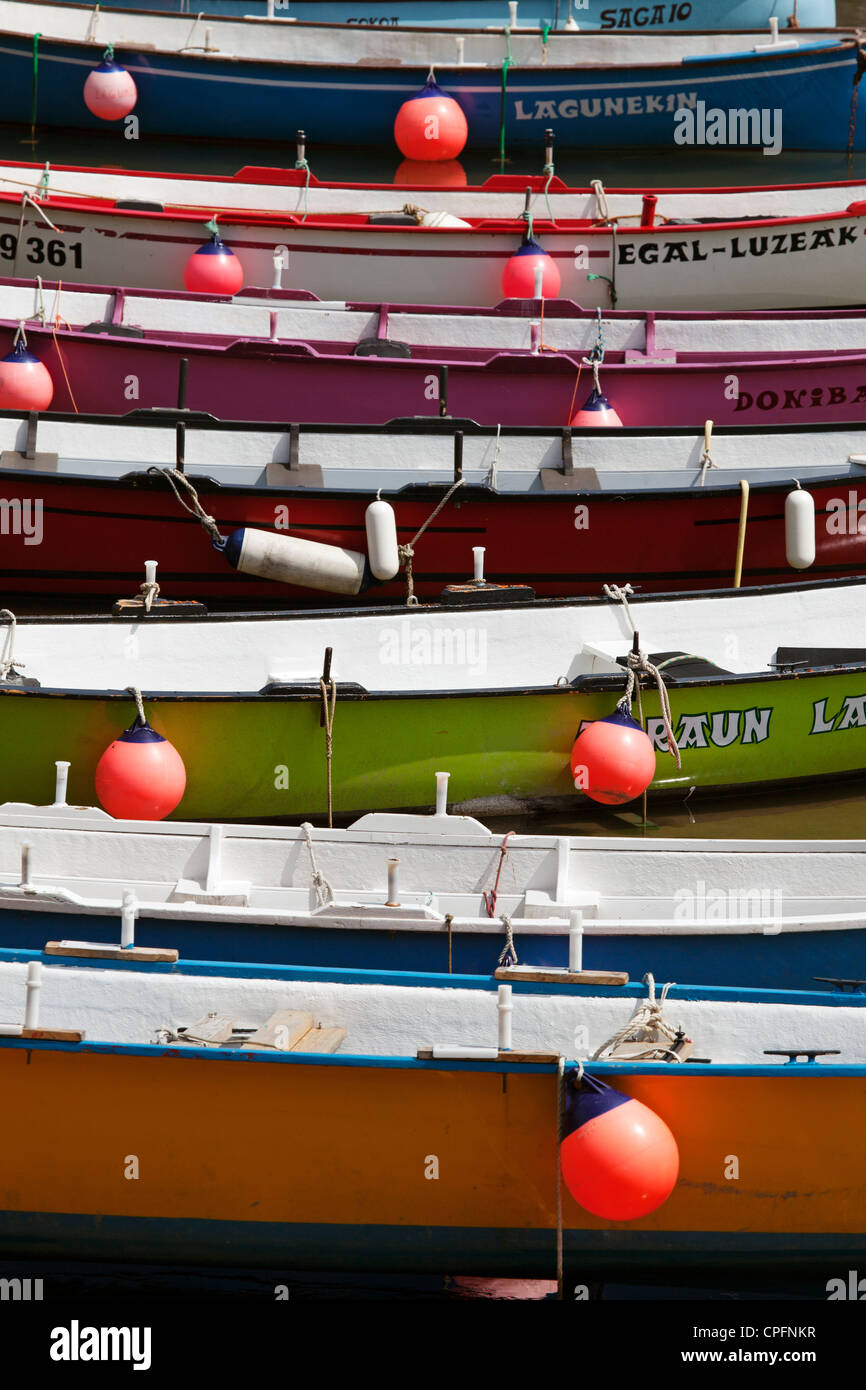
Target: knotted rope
(508, 954)
(639, 664)
(149, 591)
(490, 898)
(328, 718)
(646, 1021)
(139, 703)
(706, 461)
(594, 360)
(324, 891)
(173, 476)
(407, 552)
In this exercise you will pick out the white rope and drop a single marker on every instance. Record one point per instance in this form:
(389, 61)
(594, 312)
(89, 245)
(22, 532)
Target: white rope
(174, 476)
(324, 891)
(149, 590)
(706, 461)
(6, 615)
(645, 1025)
(139, 704)
(509, 949)
(639, 664)
(407, 552)
(495, 464)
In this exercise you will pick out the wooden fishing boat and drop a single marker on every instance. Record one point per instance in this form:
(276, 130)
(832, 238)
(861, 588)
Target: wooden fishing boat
(478, 14)
(703, 249)
(423, 1084)
(81, 516)
(198, 76)
(765, 688)
(767, 913)
(283, 358)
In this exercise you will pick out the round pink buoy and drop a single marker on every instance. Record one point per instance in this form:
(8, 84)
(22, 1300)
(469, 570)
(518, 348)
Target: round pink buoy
(25, 382)
(613, 759)
(430, 125)
(597, 413)
(214, 269)
(518, 277)
(109, 92)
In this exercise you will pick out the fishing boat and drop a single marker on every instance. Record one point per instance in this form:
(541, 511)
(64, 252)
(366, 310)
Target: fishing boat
(278, 358)
(478, 14)
(350, 710)
(195, 76)
(434, 893)
(796, 246)
(431, 1112)
(84, 503)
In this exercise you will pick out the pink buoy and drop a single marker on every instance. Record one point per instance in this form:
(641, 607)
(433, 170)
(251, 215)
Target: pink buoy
(518, 277)
(430, 125)
(110, 92)
(597, 413)
(612, 759)
(140, 776)
(25, 382)
(214, 269)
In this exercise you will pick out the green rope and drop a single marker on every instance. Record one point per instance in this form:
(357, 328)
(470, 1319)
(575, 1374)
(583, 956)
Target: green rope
(36, 38)
(611, 279)
(212, 225)
(43, 182)
(108, 55)
(302, 164)
(506, 64)
(549, 171)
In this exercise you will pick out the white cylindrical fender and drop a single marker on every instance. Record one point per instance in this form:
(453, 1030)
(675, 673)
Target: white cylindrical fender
(381, 524)
(444, 219)
(800, 529)
(290, 560)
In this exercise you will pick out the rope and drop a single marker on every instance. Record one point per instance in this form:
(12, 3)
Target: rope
(328, 715)
(174, 476)
(324, 891)
(302, 164)
(506, 64)
(6, 615)
(706, 461)
(647, 1018)
(407, 552)
(490, 898)
(496, 451)
(57, 322)
(139, 703)
(508, 954)
(549, 171)
(149, 591)
(639, 664)
(35, 88)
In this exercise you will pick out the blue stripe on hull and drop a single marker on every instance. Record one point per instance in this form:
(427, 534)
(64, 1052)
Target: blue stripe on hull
(503, 1251)
(787, 961)
(673, 15)
(185, 96)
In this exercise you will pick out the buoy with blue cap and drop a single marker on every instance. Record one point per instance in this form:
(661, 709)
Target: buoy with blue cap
(430, 125)
(25, 382)
(110, 91)
(213, 268)
(596, 411)
(520, 277)
(619, 1160)
(140, 776)
(613, 759)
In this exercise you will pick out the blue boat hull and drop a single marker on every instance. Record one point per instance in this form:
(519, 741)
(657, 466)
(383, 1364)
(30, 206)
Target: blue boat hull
(673, 15)
(787, 961)
(598, 108)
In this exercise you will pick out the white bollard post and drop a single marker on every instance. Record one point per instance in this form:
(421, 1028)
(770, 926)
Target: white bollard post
(34, 984)
(505, 1008)
(60, 781)
(512, 13)
(393, 900)
(478, 563)
(442, 793)
(539, 280)
(25, 866)
(277, 283)
(774, 29)
(575, 942)
(460, 42)
(150, 571)
(128, 912)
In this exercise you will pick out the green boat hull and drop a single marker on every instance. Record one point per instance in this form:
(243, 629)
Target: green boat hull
(257, 757)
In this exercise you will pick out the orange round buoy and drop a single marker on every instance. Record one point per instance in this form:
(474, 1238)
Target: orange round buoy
(430, 125)
(214, 269)
(612, 759)
(597, 413)
(427, 173)
(518, 277)
(110, 91)
(618, 1158)
(140, 776)
(25, 382)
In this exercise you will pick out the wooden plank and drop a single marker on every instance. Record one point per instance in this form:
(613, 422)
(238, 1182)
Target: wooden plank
(425, 1054)
(542, 975)
(211, 1031)
(53, 1034)
(321, 1040)
(283, 1030)
(95, 950)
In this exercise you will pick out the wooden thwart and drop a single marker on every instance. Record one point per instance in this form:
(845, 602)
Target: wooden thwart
(292, 1030)
(53, 1034)
(95, 950)
(544, 975)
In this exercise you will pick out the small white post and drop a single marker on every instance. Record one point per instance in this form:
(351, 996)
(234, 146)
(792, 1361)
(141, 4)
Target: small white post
(460, 42)
(214, 858)
(575, 942)
(60, 781)
(25, 866)
(478, 563)
(442, 793)
(512, 13)
(150, 571)
(277, 283)
(34, 984)
(505, 1009)
(207, 39)
(270, 9)
(393, 900)
(774, 29)
(539, 278)
(128, 912)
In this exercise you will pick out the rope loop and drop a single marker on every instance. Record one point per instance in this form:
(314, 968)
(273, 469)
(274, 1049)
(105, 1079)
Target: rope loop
(407, 552)
(508, 954)
(638, 665)
(173, 476)
(324, 891)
